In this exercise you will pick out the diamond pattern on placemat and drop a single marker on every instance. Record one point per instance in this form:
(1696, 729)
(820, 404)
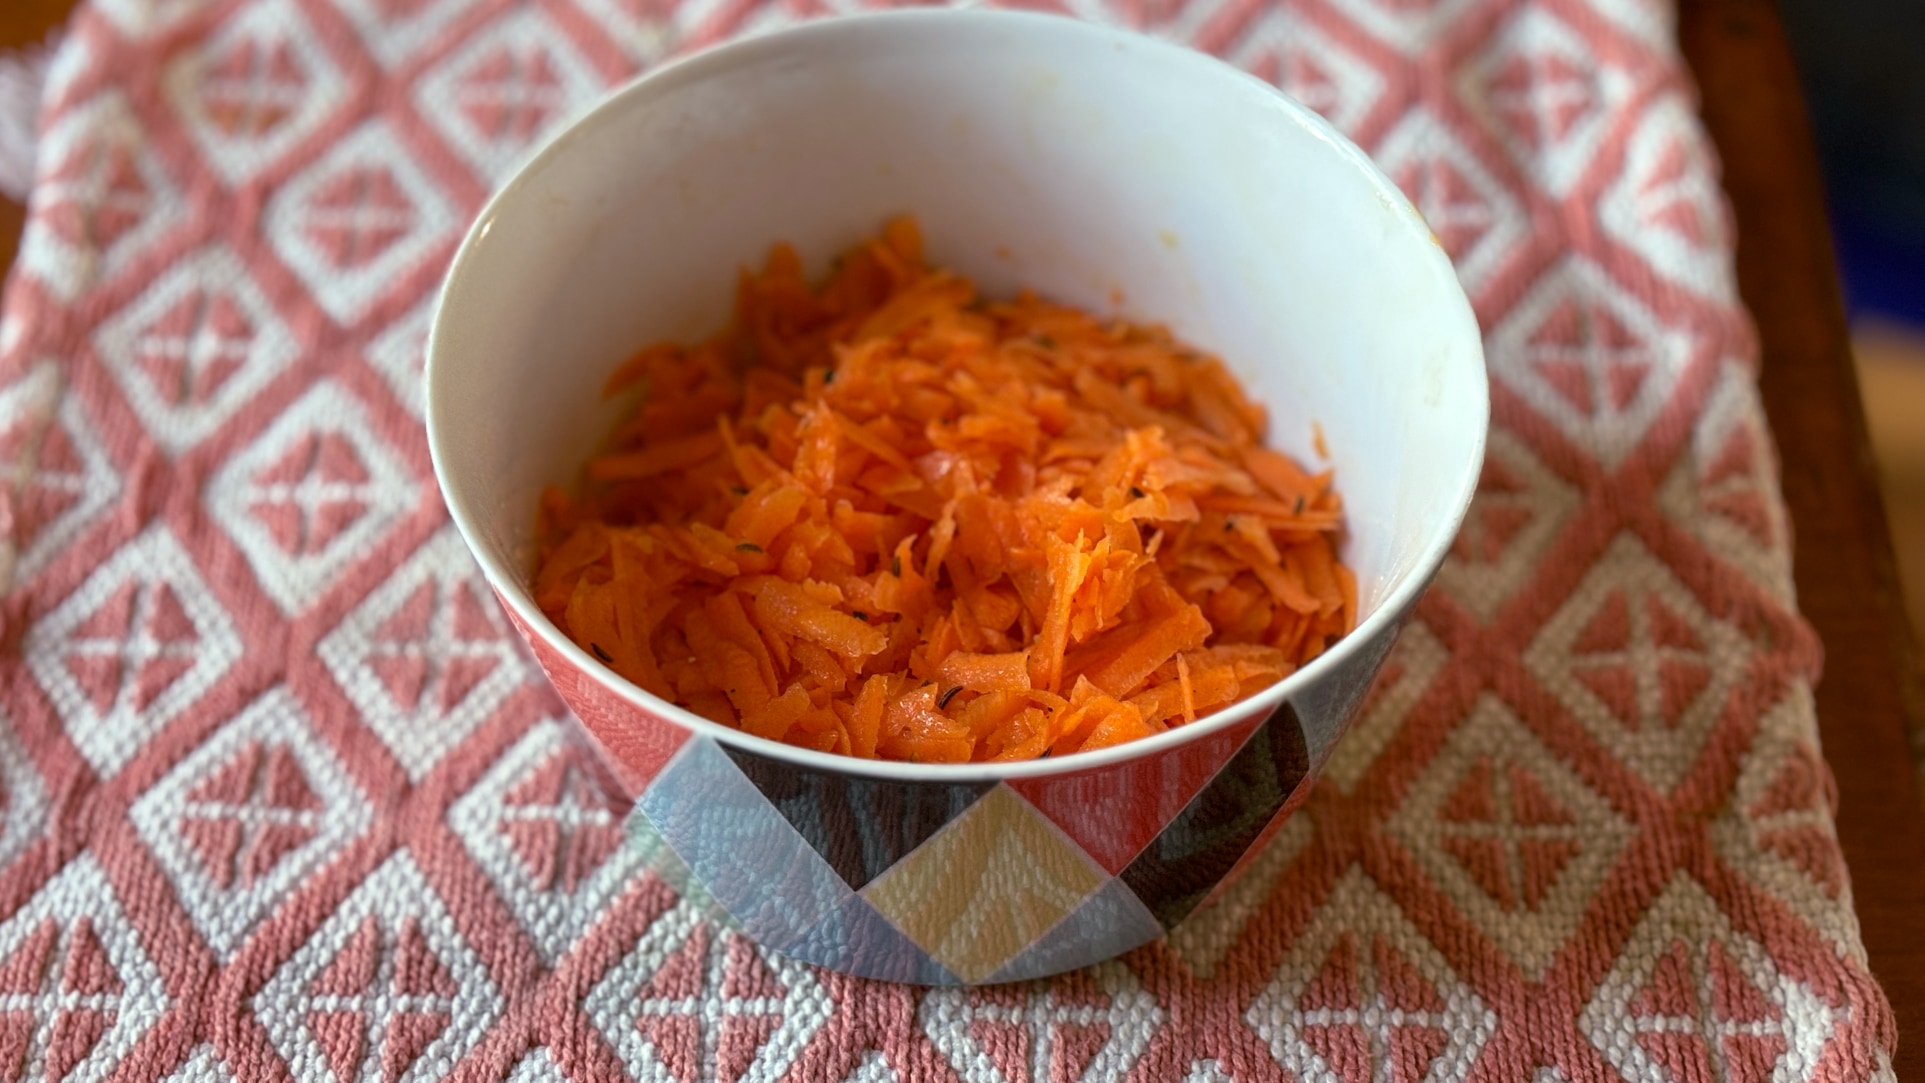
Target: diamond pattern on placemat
(248, 816)
(266, 741)
(103, 195)
(312, 494)
(252, 92)
(1511, 833)
(78, 987)
(135, 645)
(1547, 95)
(505, 90)
(354, 222)
(386, 988)
(1640, 662)
(1084, 1031)
(1362, 990)
(547, 828)
(195, 346)
(427, 657)
(1590, 356)
(1690, 998)
(691, 1002)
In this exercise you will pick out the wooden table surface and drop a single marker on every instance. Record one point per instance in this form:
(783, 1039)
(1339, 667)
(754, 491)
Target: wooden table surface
(1847, 583)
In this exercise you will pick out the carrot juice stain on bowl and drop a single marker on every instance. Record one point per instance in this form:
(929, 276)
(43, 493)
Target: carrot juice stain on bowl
(883, 516)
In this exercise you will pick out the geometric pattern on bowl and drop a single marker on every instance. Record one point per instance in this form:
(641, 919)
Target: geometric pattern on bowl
(968, 881)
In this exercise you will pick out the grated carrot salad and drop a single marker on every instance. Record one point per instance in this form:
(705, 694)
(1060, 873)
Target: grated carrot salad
(887, 518)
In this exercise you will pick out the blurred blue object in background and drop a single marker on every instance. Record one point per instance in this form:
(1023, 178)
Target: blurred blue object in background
(1862, 63)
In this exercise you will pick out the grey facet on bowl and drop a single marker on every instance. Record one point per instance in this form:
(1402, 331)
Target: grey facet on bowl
(1103, 169)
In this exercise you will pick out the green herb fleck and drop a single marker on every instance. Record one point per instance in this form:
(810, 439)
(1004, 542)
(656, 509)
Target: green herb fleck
(738, 490)
(860, 615)
(747, 547)
(1229, 523)
(942, 701)
(600, 653)
(895, 565)
(828, 377)
(1136, 492)
(1299, 508)
(1045, 341)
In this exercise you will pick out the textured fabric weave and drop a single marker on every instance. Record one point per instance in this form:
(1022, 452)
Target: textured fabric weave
(281, 795)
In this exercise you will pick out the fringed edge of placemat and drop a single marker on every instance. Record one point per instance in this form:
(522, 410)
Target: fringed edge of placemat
(22, 75)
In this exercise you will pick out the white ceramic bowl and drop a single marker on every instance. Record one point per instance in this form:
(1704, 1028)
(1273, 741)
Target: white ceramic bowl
(1104, 169)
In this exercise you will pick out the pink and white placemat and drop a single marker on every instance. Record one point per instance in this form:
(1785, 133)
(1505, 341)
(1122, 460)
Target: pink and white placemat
(281, 796)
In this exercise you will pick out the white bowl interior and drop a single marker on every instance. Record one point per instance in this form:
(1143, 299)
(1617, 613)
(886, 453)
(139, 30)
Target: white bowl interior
(1086, 163)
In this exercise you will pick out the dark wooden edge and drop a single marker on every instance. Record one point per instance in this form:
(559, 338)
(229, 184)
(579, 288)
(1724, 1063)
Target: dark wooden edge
(1847, 580)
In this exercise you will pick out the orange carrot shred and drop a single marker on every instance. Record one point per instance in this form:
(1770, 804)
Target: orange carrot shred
(881, 516)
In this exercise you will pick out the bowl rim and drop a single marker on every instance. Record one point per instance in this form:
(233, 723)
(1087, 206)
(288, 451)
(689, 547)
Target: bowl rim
(714, 61)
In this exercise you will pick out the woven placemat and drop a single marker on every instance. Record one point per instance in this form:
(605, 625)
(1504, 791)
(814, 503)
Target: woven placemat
(282, 796)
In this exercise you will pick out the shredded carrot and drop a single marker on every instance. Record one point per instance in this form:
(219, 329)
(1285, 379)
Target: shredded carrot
(885, 517)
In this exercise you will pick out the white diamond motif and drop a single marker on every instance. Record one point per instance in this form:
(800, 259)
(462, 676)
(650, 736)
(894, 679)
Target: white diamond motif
(1688, 989)
(76, 961)
(1640, 662)
(255, 89)
(102, 197)
(1478, 222)
(1354, 1015)
(634, 1012)
(1546, 94)
(195, 347)
(351, 224)
(549, 834)
(248, 816)
(951, 1017)
(143, 629)
(1666, 205)
(1590, 357)
(426, 657)
(313, 493)
(1497, 799)
(505, 91)
(390, 968)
